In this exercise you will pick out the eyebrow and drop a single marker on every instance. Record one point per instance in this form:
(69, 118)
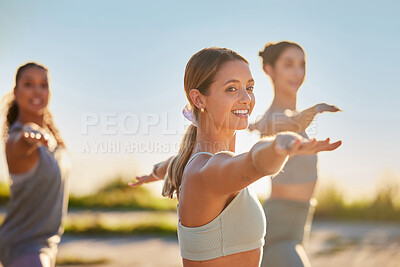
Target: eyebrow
(290, 58)
(30, 77)
(237, 81)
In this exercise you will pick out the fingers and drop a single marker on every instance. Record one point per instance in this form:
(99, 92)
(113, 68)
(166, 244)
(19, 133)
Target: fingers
(333, 146)
(335, 109)
(290, 145)
(311, 145)
(323, 107)
(314, 146)
(326, 146)
(332, 108)
(33, 136)
(306, 147)
(142, 180)
(131, 184)
(139, 182)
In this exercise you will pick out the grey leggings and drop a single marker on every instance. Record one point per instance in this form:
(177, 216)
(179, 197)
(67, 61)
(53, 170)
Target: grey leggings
(33, 260)
(288, 227)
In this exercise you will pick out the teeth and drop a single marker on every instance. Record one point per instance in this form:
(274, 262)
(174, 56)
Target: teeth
(36, 101)
(243, 111)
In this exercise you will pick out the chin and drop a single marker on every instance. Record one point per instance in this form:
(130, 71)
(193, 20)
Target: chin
(241, 125)
(37, 112)
(293, 89)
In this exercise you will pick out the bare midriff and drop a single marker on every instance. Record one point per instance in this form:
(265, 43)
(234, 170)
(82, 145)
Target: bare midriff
(299, 192)
(250, 258)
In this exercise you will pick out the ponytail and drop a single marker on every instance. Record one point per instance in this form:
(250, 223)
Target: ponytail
(173, 180)
(48, 121)
(12, 111)
(272, 51)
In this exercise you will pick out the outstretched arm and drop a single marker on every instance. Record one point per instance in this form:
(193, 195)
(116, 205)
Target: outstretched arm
(290, 121)
(22, 145)
(159, 172)
(225, 173)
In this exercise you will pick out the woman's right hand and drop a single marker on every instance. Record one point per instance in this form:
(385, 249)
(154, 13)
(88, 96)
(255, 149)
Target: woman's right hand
(33, 134)
(323, 107)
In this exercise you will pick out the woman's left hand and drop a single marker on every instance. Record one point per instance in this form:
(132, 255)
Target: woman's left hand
(292, 144)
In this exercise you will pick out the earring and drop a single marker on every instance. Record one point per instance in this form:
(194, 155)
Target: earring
(202, 110)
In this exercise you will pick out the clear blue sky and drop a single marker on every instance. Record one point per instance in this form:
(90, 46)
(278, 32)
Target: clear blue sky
(129, 57)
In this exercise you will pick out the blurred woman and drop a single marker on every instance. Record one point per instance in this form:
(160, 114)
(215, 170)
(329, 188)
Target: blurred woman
(221, 222)
(290, 208)
(36, 158)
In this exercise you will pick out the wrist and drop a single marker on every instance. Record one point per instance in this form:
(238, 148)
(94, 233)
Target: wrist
(316, 109)
(154, 172)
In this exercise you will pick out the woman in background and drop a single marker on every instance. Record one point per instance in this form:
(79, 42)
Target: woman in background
(290, 207)
(35, 152)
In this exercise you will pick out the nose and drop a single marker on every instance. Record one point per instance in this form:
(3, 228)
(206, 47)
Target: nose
(37, 90)
(300, 72)
(244, 98)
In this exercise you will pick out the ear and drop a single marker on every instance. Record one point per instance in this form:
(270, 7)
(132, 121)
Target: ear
(197, 98)
(269, 70)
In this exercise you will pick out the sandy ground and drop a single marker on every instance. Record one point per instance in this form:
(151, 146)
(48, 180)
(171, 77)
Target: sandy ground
(333, 244)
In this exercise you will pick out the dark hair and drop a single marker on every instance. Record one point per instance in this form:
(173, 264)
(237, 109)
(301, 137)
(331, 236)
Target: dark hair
(199, 74)
(12, 109)
(272, 51)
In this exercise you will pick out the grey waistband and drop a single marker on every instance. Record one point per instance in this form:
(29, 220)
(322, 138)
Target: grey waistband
(287, 219)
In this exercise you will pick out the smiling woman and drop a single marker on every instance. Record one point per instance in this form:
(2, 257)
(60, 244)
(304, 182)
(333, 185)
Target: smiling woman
(35, 154)
(221, 222)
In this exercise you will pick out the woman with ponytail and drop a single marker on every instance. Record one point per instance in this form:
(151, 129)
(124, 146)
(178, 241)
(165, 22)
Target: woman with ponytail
(290, 207)
(221, 222)
(38, 168)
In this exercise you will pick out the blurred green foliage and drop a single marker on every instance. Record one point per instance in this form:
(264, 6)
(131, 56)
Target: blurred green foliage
(383, 205)
(118, 195)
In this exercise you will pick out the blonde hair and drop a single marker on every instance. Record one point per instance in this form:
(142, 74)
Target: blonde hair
(199, 74)
(12, 109)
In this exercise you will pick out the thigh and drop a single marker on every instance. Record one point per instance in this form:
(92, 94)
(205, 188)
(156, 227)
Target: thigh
(285, 253)
(32, 260)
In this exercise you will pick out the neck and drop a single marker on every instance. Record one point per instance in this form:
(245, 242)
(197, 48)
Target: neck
(25, 118)
(214, 142)
(284, 101)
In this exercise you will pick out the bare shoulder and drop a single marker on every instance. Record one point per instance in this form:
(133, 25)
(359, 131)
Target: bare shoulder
(203, 167)
(11, 143)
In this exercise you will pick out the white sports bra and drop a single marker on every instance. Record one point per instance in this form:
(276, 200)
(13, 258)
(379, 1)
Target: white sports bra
(240, 227)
